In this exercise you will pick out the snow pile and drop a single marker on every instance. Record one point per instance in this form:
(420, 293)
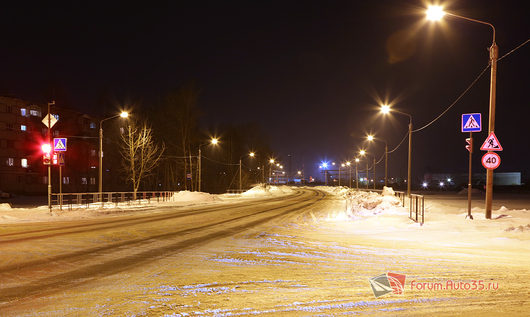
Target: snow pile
(5, 206)
(257, 191)
(267, 190)
(335, 190)
(186, 195)
(371, 203)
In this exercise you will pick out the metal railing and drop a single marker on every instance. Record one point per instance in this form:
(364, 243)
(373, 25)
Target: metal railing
(84, 200)
(417, 208)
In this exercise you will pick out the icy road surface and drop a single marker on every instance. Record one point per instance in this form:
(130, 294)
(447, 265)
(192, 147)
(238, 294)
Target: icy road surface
(306, 253)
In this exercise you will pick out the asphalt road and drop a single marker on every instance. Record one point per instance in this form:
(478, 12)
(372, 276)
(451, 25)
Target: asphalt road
(268, 257)
(42, 259)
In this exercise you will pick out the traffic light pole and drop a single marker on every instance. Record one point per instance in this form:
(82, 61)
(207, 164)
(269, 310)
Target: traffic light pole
(49, 165)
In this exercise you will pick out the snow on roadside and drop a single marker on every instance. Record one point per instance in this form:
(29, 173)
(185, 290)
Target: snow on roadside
(181, 199)
(381, 216)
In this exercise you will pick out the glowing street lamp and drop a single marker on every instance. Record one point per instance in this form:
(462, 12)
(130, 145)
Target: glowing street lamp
(436, 13)
(252, 155)
(123, 115)
(213, 141)
(371, 138)
(364, 153)
(357, 160)
(385, 109)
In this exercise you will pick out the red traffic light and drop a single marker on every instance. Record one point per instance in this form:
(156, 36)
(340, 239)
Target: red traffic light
(46, 148)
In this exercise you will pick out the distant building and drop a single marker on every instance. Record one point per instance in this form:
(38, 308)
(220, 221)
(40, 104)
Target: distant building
(21, 135)
(452, 179)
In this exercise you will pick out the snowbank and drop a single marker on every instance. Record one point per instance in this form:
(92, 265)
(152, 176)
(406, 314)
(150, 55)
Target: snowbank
(267, 190)
(186, 195)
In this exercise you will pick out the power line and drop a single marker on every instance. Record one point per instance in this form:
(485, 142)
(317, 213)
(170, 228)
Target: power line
(515, 49)
(454, 102)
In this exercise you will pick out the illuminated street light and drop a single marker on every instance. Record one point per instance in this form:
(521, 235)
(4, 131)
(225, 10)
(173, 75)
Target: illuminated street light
(357, 160)
(435, 13)
(386, 109)
(424, 185)
(493, 55)
(213, 141)
(363, 153)
(251, 154)
(371, 138)
(271, 163)
(124, 115)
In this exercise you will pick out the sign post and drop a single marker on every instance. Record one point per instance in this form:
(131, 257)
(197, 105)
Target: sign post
(490, 161)
(471, 122)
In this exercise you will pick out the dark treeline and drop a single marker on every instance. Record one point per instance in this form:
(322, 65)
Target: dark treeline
(176, 123)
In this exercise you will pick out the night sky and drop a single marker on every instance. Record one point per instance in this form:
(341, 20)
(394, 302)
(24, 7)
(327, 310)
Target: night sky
(310, 73)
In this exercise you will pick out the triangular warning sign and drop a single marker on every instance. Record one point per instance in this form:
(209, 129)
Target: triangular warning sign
(491, 143)
(471, 123)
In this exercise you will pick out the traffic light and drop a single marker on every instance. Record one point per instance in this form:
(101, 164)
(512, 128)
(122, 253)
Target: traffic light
(469, 145)
(46, 154)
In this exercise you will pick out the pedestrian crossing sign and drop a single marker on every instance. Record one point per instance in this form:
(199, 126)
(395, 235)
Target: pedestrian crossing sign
(471, 122)
(59, 144)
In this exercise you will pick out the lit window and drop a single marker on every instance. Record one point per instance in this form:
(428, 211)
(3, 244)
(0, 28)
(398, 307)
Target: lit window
(83, 180)
(66, 180)
(92, 152)
(92, 181)
(10, 161)
(23, 112)
(23, 127)
(34, 113)
(24, 163)
(92, 125)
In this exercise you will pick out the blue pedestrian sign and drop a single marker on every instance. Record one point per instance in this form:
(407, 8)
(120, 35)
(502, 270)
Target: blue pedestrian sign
(471, 122)
(59, 144)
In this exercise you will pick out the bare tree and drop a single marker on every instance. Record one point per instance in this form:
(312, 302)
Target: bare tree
(140, 153)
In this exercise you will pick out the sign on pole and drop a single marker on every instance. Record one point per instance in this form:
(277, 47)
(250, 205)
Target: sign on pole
(59, 144)
(50, 118)
(491, 143)
(471, 122)
(491, 160)
(60, 158)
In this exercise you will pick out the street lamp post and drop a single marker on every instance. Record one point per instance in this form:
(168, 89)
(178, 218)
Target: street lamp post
(349, 167)
(435, 13)
(213, 141)
(371, 138)
(271, 163)
(251, 154)
(386, 109)
(100, 185)
(356, 173)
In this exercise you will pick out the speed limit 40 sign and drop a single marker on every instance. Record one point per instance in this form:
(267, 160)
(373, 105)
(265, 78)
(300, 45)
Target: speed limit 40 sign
(491, 160)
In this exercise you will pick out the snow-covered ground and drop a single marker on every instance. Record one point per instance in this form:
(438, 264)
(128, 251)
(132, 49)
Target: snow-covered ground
(313, 261)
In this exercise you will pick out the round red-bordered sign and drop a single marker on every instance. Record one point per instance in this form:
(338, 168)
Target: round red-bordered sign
(491, 160)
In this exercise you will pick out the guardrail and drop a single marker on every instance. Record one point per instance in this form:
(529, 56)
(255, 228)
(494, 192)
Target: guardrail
(417, 207)
(85, 199)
